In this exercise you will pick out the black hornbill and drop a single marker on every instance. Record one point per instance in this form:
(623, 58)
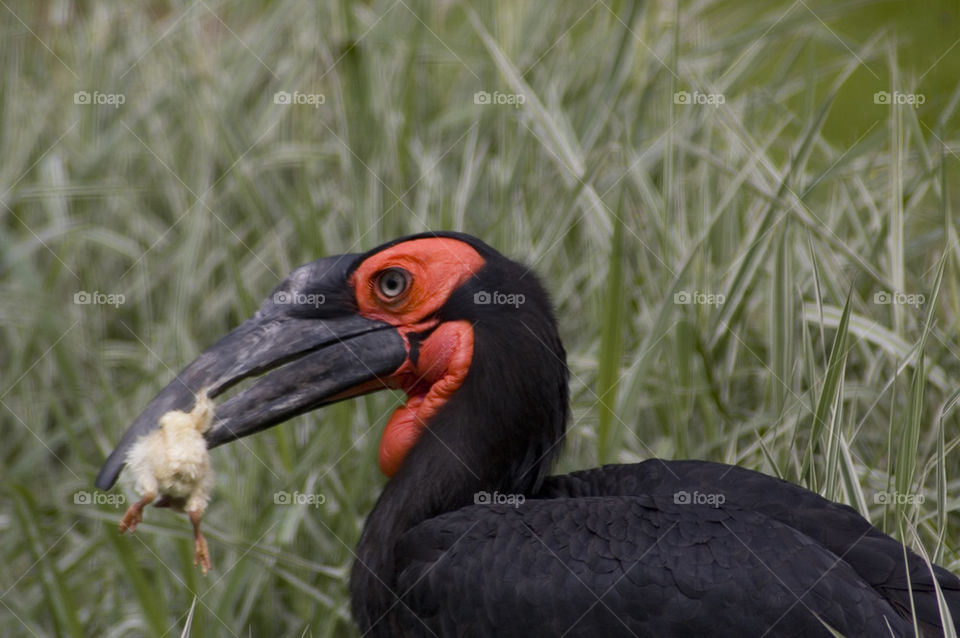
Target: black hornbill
(470, 536)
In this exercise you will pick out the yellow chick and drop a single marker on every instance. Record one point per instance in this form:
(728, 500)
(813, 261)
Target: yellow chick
(172, 463)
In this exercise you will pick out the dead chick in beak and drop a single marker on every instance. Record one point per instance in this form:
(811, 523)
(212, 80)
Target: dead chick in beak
(172, 463)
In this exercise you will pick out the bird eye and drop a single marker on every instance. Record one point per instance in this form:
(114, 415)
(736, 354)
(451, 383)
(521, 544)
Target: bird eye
(393, 282)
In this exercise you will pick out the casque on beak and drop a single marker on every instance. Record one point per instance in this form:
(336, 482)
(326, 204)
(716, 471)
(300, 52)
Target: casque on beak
(310, 341)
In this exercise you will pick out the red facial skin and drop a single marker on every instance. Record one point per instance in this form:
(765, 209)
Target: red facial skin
(435, 267)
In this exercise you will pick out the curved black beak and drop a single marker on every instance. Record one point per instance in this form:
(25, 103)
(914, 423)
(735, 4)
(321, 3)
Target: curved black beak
(307, 337)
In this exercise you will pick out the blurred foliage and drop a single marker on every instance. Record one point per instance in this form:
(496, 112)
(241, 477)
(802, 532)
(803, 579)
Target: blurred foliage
(794, 199)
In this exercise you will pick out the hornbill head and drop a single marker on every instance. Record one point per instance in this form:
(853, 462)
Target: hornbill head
(444, 317)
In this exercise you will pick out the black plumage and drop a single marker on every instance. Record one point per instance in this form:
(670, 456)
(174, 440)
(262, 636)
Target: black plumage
(606, 552)
(622, 550)
(609, 552)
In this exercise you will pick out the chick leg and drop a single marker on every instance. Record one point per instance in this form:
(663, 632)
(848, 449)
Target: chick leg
(201, 554)
(134, 513)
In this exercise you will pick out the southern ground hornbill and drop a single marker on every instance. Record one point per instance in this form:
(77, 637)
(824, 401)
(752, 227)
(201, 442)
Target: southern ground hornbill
(622, 550)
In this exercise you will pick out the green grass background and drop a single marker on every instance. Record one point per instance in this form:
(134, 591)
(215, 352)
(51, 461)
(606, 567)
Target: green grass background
(795, 199)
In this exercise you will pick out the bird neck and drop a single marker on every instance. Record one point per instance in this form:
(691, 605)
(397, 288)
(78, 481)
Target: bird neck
(497, 434)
